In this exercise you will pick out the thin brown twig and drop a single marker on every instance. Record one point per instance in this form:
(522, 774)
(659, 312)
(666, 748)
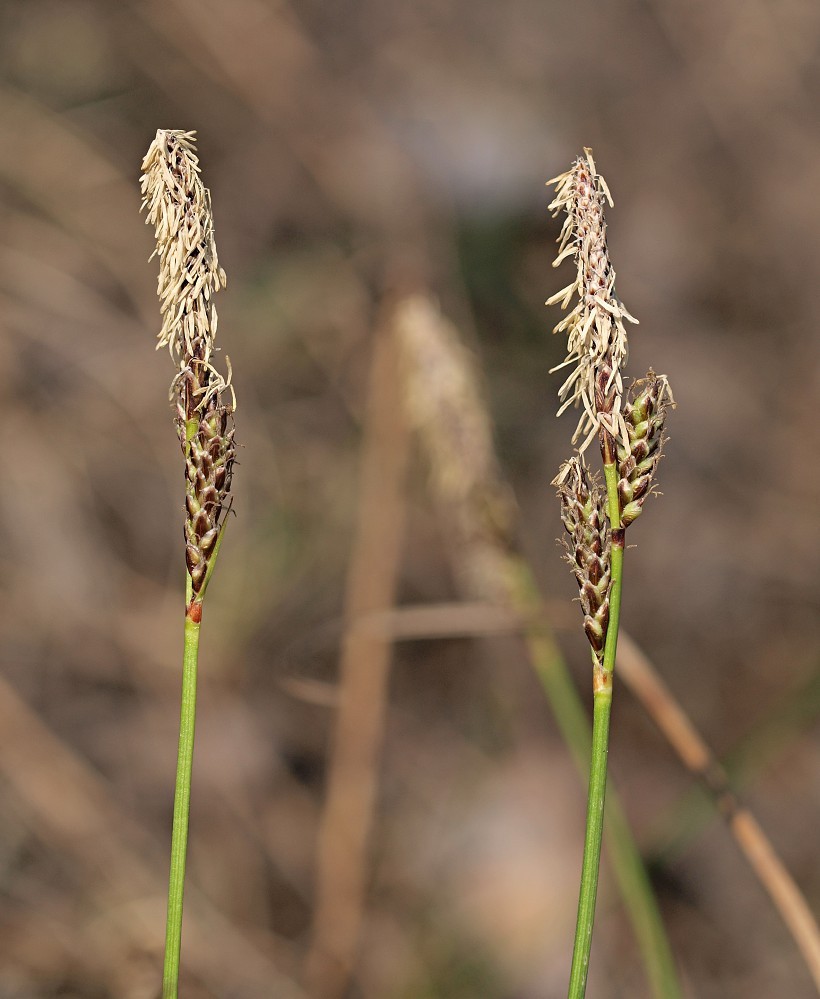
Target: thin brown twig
(71, 809)
(446, 620)
(365, 660)
(659, 703)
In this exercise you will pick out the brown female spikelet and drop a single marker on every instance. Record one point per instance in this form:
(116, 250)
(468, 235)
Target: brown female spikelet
(588, 551)
(178, 205)
(596, 336)
(645, 417)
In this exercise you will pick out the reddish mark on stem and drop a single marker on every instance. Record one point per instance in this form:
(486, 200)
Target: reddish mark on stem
(194, 611)
(601, 680)
(607, 445)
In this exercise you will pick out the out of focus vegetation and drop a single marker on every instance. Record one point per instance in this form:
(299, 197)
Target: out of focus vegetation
(353, 151)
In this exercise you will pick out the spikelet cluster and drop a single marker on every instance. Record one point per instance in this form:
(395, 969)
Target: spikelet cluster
(588, 550)
(178, 205)
(644, 416)
(594, 328)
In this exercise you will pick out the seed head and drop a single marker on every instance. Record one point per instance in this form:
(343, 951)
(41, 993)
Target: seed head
(596, 335)
(644, 416)
(588, 550)
(178, 205)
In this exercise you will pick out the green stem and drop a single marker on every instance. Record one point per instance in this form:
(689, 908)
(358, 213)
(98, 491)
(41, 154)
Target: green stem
(602, 704)
(627, 865)
(182, 803)
(592, 846)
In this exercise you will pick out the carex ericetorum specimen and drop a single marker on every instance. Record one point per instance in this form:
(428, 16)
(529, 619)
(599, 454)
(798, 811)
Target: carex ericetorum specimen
(445, 407)
(630, 429)
(178, 205)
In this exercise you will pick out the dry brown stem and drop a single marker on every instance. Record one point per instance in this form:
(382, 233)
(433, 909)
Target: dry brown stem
(352, 782)
(71, 810)
(641, 677)
(414, 623)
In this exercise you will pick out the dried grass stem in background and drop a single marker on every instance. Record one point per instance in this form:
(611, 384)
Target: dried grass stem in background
(352, 783)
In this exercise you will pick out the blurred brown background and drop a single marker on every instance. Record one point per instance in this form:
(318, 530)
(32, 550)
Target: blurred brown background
(350, 147)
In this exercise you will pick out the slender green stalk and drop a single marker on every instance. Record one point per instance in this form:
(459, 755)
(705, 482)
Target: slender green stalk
(592, 845)
(630, 429)
(602, 688)
(178, 205)
(182, 804)
(627, 864)
(444, 405)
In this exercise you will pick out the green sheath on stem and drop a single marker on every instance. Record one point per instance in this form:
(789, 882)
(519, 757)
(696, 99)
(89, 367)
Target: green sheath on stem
(182, 804)
(627, 865)
(592, 845)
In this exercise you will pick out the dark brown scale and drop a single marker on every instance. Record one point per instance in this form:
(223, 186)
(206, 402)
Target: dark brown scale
(588, 550)
(208, 540)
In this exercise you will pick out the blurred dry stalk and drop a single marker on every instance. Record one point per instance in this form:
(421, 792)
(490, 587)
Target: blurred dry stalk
(352, 783)
(265, 56)
(647, 686)
(793, 713)
(71, 809)
(410, 623)
(733, 100)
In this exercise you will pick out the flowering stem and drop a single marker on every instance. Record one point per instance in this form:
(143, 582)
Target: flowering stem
(627, 864)
(178, 205)
(602, 705)
(182, 802)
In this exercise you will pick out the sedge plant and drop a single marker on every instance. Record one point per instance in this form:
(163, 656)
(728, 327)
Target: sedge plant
(178, 205)
(629, 427)
(446, 409)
